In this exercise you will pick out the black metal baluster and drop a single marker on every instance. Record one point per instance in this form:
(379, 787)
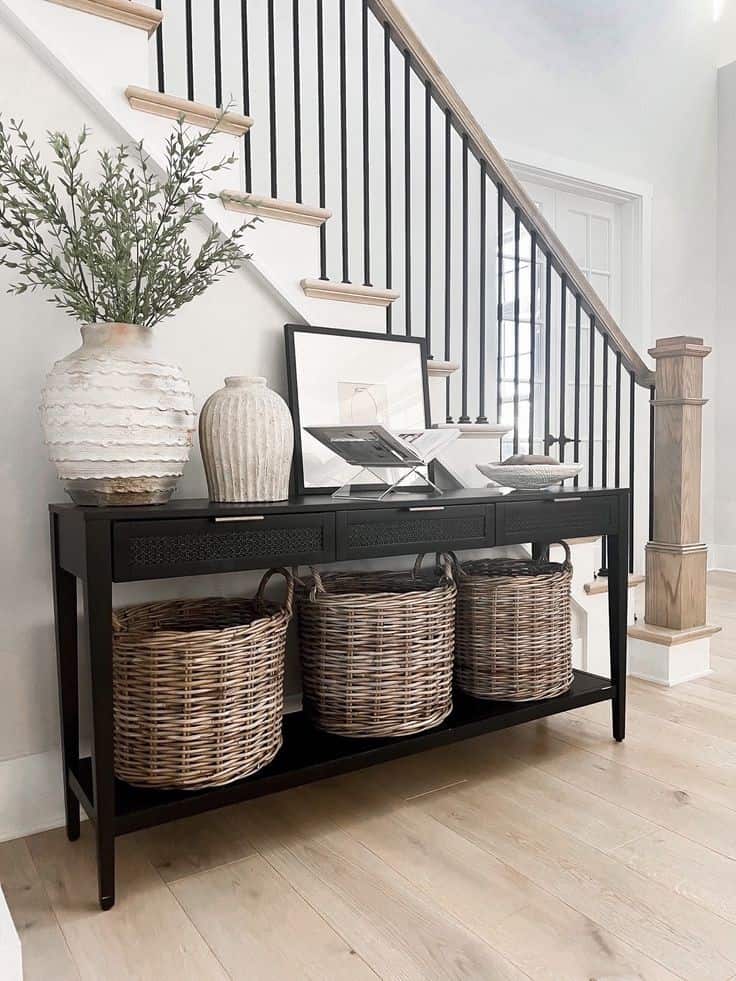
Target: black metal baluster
(652, 396)
(387, 149)
(321, 135)
(297, 102)
(591, 403)
(632, 433)
(532, 333)
(407, 192)
(563, 367)
(217, 35)
(617, 430)
(604, 449)
(246, 92)
(272, 98)
(464, 417)
(428, 216)
(547, 352)
(517, 324)
(160, 52)
(604, 411)
(344, 147)
(190, 49)
(482, 300)
(500, 349)
(576, 429)
(448, 250)
(366, 152)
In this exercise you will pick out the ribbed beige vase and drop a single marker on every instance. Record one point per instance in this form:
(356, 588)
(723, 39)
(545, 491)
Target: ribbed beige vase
(247, 440)
(118, 420)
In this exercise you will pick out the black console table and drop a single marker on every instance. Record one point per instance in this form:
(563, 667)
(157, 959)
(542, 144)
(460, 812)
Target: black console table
(101, 546)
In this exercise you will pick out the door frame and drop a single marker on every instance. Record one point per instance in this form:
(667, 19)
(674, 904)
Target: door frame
(635, 199)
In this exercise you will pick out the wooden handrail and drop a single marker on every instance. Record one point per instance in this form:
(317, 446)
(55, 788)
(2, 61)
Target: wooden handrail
(445, 94)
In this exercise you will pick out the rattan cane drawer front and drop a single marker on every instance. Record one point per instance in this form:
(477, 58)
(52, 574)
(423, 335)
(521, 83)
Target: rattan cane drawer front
(196, 546)
(568, 516)
(403, 531)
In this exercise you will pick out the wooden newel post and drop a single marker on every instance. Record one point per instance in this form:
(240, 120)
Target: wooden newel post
(676, 558)
(675, 612)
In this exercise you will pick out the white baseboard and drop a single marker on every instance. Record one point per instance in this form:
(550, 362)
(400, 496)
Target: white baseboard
(11, 957)
(669, 665)
(32, 795)
(722, 558)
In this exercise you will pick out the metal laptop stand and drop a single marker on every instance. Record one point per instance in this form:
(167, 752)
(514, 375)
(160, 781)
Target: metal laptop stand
(371, 495)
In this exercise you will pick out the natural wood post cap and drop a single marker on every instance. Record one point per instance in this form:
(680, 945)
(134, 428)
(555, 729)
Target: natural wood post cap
(680, 347)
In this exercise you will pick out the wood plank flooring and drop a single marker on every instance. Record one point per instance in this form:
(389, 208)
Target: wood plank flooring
(547, 851)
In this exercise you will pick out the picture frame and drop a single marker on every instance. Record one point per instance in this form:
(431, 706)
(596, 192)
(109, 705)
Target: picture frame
(348, 377)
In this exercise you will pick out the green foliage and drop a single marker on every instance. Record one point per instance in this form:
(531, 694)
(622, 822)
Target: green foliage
(114, 249)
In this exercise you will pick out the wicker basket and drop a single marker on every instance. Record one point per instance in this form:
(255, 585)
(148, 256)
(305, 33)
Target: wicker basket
(513, 639)
(198, 688)
(376, 651)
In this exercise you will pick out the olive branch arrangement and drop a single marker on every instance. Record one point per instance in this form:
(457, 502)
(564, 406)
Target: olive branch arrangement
(112, 250)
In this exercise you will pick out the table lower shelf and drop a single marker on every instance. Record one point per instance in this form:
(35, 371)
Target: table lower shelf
(308, 755)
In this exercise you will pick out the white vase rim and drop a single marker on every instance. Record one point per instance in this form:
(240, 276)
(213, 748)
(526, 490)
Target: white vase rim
(241, 381)
(122, 329)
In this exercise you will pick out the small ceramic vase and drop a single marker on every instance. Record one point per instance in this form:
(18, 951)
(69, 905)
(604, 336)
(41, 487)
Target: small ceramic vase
(247, 441)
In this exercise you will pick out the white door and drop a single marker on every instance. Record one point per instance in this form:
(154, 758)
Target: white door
(590, 228)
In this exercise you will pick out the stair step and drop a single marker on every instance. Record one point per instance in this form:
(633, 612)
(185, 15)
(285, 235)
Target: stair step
(441, 369)
(476, 430)
(601, 585)
(323, 289)
(172, 107)
(257, 204)
(123, 11)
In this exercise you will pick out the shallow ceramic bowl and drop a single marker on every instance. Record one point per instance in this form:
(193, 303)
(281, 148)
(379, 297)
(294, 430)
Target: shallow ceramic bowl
(533, 477)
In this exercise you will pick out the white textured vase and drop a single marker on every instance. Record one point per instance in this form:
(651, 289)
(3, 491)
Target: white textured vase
(117, 420)
(247, 440)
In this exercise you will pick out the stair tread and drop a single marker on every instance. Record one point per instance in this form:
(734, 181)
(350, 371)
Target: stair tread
(325, 289)
(123, 11)
(196, 113)
(277, 208)
(600, 585)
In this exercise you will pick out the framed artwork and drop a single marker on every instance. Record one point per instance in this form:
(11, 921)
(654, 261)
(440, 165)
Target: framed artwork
(350, 378)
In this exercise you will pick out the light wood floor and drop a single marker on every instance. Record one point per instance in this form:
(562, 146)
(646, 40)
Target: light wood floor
(547, 851)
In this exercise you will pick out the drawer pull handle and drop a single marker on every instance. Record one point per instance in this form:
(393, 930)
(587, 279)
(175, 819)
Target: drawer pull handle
(437, 507)
(242, 517)
(566, 500)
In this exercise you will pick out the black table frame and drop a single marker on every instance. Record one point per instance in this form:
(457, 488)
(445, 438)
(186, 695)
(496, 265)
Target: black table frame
(94, 545)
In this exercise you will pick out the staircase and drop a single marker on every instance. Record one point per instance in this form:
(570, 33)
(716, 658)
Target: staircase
(384, 207)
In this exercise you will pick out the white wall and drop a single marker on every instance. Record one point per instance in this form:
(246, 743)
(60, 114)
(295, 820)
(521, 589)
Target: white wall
(725, 401)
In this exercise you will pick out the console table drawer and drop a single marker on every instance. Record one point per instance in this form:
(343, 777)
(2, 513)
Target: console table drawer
(402, 531)
(196, 546)
(557, 517)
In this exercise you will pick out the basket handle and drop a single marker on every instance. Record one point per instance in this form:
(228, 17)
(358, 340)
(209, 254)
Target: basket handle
(446, 562)
(317, 585)
(280, 571)
(568, 555)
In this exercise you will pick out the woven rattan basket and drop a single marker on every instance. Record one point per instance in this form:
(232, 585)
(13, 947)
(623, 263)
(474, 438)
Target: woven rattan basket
(513, 638)
(376, 651)
(198, 688)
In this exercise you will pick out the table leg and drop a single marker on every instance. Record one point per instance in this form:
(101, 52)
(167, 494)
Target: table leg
(98, 609)
(67, 662)
(618, 594)
(540, 551)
